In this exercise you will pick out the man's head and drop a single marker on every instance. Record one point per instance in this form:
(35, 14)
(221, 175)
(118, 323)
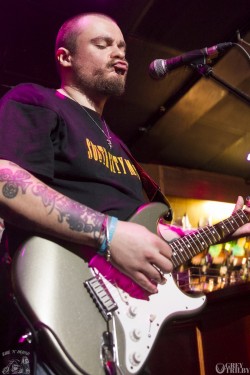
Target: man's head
(90, 52)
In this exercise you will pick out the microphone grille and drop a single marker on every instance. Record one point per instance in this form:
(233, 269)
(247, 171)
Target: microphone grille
(157, 69)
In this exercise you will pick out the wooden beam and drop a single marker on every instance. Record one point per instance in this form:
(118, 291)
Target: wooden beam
(191, 183)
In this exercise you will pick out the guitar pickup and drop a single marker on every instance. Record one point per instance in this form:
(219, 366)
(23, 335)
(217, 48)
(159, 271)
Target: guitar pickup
(101, 297)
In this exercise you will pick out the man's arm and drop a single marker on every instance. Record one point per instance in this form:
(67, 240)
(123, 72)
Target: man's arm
(27, 202)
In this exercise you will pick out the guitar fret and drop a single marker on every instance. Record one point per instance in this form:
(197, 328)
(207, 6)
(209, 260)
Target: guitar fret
(241, 217)
(189, 238)
(176, 262)
(193, 239)
(202, 241)
(230, 222)
(214, 232)
(177, 252)
(212, 238)
(173, 260)
(186, 247)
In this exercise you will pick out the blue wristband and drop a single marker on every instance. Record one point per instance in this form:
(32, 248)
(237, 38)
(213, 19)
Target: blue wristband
(110, 226)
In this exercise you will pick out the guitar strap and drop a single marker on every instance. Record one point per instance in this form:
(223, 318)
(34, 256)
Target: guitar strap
(150, 187)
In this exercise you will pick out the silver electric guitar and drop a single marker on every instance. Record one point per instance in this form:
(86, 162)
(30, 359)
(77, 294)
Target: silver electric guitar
(94, 320)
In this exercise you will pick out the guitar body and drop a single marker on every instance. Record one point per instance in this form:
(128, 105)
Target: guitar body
(49, 283)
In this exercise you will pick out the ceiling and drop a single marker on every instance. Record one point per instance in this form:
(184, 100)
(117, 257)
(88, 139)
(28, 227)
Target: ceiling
(186, 119)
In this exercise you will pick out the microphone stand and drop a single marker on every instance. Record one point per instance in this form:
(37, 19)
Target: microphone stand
(207, 71)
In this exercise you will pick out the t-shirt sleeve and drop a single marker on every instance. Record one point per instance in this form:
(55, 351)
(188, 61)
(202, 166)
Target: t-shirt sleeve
(26, 136)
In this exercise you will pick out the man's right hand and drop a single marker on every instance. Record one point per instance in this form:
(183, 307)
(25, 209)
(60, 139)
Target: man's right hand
(135, 250)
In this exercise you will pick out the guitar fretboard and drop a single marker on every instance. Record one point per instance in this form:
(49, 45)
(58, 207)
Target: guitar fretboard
(187, 247)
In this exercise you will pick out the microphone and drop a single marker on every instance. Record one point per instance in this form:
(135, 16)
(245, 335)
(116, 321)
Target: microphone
(159, 68)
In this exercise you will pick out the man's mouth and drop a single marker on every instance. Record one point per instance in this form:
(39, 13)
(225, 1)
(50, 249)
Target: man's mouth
(121, 68)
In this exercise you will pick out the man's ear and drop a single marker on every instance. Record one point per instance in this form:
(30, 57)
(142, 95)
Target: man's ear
(63, 57)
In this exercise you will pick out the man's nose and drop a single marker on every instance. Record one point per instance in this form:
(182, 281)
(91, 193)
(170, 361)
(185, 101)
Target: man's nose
(118, 52)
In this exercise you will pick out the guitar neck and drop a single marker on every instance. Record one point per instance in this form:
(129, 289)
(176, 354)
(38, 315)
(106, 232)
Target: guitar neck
(187, 247)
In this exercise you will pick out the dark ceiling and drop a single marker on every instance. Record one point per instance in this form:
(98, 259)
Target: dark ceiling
(186, 119)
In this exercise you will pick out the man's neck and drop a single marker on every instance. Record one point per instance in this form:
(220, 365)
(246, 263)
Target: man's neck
(96, 103)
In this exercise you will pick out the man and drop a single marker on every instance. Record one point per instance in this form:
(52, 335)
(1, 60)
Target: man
(63, 173)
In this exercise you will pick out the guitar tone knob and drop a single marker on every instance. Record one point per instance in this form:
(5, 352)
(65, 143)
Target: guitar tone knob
(132, 311)
(135, 358)
(135, 334)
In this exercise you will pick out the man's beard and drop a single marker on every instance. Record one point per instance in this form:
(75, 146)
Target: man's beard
(98, 83)
(111, 87)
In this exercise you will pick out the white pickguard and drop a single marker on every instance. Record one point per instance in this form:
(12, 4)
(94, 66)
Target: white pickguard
(141, 320)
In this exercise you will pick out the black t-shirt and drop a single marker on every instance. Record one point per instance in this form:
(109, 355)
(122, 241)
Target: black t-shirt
(61, 143)
(53, 137)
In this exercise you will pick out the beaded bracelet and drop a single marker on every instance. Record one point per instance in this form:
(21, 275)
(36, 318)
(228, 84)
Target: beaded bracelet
(109, 226)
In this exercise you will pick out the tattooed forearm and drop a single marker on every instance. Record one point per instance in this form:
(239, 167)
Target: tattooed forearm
(47, 195)
(78, 217)
(13, 181)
